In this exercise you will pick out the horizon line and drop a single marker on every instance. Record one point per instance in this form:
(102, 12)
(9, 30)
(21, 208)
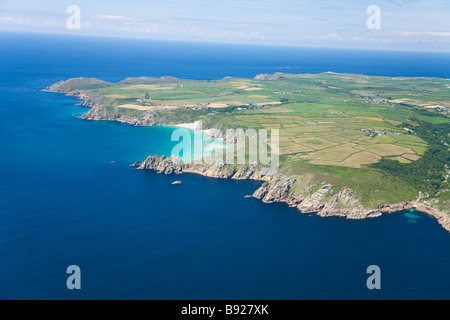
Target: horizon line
(218, 42)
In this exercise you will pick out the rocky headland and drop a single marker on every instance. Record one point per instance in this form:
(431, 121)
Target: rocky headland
(97, 101)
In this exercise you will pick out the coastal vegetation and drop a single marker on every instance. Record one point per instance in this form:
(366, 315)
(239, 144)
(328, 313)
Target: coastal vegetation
(384, 137)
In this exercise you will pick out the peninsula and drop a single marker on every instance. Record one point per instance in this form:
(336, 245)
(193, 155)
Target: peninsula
(351, 145)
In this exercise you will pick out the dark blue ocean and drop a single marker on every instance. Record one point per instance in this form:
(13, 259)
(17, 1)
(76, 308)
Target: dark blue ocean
(136, 236)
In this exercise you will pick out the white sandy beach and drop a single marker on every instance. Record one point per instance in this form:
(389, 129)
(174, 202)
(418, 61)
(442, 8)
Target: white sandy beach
(215, 147)
(193, 126)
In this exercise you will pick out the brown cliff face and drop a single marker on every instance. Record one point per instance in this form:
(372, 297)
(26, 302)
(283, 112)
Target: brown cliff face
(342, 204)
(325, 202)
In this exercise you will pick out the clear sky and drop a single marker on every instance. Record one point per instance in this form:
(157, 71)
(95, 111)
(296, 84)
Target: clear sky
(414, 25)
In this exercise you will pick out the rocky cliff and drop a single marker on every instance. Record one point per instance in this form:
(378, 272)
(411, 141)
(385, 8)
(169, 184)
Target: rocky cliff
(103, 108)
(147, 118)
(174, 165)
(90, 98)
(324, 201)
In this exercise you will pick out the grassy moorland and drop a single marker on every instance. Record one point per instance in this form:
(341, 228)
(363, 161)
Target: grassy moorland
(384, 137)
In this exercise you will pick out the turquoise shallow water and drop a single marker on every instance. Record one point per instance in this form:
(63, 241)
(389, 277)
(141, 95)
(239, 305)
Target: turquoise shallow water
(136, 236)
(412, 216)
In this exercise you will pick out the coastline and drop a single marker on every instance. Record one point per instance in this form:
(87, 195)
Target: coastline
(343, 203)
(277, 188)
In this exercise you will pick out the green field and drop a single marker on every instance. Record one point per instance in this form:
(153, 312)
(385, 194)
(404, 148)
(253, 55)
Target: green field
(348, 129)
